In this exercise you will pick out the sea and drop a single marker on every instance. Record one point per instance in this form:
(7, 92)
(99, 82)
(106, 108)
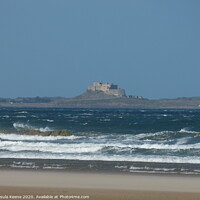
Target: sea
(160, 141)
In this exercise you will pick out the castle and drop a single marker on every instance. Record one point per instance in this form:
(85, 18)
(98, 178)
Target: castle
(107, 88)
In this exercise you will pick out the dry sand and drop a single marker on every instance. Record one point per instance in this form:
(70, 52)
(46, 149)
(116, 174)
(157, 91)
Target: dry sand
(98, 186)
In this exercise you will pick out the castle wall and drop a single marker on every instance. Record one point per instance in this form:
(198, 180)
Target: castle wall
(107, 88)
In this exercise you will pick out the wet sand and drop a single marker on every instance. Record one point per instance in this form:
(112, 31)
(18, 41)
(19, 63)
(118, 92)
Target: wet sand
(16, 184)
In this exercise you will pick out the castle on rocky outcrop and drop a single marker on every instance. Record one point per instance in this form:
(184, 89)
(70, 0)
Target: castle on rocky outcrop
(107, 88)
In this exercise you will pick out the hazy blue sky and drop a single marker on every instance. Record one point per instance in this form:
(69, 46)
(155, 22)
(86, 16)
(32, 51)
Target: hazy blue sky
(58, 48)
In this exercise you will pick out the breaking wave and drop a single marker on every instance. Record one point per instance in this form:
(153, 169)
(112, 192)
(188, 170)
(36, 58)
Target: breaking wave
(22, 112)
(158, 136)
(186, 130)
(19, 137)
(153, 159)
(82, 144)
(21, 126)
(48, 147)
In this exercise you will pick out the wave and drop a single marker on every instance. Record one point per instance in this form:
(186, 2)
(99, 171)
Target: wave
(152, 169)
(105, 120)
(23, 143)
(22, 112)
(49, 147)
(144, 158)
(48, 120)
(163, 133)
(156, 146)
(6, 116)
(86, 114)
(22, 126)
(186, 130)
(20, 116)
(19, 137)
(160, 133)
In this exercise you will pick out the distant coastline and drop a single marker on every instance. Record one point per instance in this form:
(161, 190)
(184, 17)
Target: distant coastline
(105, 102)
(102, 95)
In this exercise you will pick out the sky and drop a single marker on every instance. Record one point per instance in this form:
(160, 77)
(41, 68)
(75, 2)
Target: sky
(151, 48)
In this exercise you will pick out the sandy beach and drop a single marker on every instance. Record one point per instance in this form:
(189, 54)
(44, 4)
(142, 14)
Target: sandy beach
(26, 184)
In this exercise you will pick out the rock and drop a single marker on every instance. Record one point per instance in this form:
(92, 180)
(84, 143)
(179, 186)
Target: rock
(48, 133)
(197, 134)
(161, 139)
(4, 131)
(37, 132)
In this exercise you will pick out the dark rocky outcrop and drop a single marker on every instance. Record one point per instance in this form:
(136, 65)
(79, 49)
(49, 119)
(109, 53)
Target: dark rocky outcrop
(197, 134)
(37, 132)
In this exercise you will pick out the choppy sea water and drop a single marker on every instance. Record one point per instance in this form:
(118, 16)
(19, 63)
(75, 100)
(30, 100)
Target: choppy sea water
(128, 140)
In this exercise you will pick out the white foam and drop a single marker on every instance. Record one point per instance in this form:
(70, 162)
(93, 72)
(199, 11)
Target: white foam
(135, 168)
(48, 120)
(157, 159)
(127, 144)
(156, 146)
(19, 137)
(152, 169)
(22, 112)
(49, 147)
(87, 114)
(160, 133)
(18, 125)
(22, 126)
(44, 129)
(6, 116)
(181, 141)
(186, 130)
(95, 151)
(121, 167)
(105, 120)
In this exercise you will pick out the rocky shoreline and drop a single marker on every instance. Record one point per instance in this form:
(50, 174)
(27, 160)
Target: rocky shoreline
(37, 132)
